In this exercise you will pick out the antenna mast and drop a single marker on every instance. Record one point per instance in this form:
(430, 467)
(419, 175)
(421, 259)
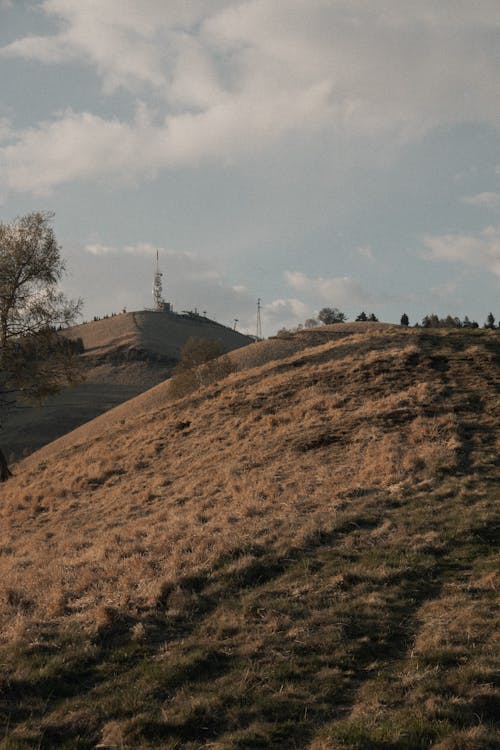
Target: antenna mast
(157, 286)
(259, 322)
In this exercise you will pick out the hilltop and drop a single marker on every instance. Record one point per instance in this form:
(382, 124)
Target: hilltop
(123, 356)
(299, 556)
(149, 335)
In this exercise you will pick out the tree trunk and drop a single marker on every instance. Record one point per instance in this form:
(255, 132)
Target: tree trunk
(5, 472)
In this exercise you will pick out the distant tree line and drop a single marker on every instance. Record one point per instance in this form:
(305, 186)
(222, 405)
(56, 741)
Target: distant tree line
(363, 317)
(450, 321)
(331, 315)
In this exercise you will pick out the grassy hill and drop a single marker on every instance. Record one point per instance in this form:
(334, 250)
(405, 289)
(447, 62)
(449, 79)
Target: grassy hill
(156, 335)
(124, 355)
(300, 556)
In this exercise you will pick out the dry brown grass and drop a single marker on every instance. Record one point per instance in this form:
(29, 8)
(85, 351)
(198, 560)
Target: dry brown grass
(367, 439)
(145, 330)
(266, 458)
(124, 355)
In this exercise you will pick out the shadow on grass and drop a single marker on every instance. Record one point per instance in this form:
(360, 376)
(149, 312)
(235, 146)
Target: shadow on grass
(127, 680)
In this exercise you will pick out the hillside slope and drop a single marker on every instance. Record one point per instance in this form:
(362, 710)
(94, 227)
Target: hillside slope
(301, 556)
(124, 356)
(158, 334)
(243, 358)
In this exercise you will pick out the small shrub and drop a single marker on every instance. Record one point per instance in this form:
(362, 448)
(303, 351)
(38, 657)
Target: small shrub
(202, 362)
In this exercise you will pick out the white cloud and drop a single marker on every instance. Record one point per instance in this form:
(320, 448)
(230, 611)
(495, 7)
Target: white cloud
(231, 76)
(488, 200)
(341, 290)
(129, 42)
(98, 249)
(86, 146)
(140, 248)
(74, 146)
(166, 255)
(5, 129)
(365, 251)
(290, 305)
(478, 251)
(288, 313)
(447, 290)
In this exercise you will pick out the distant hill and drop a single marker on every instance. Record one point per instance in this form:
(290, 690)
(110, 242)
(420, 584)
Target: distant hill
(303, 555)
(124, 355)
(150, 335)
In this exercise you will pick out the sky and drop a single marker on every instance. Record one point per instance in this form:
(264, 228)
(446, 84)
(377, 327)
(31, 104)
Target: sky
(311, 153)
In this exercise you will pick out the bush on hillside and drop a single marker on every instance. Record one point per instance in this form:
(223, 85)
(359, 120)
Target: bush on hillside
(202, 362)
(329, 315)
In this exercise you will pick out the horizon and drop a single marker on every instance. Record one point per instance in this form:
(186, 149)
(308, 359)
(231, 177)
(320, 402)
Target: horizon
(465, 321)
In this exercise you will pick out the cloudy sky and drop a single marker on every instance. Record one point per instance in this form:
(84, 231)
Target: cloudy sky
(309, 152)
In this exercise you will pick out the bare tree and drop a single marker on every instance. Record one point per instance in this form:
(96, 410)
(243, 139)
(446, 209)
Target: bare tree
(35, 360)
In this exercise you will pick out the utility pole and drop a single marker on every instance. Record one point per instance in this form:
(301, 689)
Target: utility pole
(259, 321)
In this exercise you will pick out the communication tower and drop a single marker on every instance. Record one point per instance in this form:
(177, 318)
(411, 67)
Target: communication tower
(159, 304)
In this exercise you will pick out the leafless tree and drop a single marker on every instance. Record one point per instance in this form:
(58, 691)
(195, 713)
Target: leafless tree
(35, 360)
